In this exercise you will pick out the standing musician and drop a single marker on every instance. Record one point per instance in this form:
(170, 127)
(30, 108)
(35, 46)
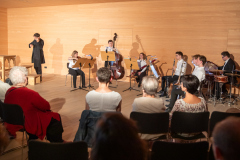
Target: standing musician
(198, 71)
(178, 71)
(228, 67)
(37, 53)
(110, 49)
(76, 71)
(143, 67)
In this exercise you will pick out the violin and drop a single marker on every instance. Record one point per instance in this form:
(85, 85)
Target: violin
(117, 69)
(135, 71)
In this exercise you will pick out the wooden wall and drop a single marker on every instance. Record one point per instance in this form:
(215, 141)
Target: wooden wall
(162, 28)
(3, 32)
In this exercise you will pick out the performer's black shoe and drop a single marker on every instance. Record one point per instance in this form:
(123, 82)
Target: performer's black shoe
(139, 85)
(160, 92)
(84, 87)
(167, 106)
(164, 94)
(168, 110)
(167, 100)
(79, 87)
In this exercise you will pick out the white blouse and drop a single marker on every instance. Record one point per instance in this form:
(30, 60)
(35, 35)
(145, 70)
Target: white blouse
(71, 64)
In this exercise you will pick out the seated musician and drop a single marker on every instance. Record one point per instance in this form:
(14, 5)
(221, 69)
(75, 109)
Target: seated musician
(228, 67)
(103, 99)
(178, 71)
(75, 71)
(110, 48)
(143, 67)
(198, 71)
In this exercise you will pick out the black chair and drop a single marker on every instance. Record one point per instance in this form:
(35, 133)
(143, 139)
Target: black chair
(217, 117)
(57, 151)
(13, 114)
(183, 122)
(179, 151)
(152, 123)
(71, 77)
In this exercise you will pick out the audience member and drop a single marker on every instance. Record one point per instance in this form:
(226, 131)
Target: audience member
(40, 121)
(4, 138)
(103, 99)
(226, 139)
(116, 138)
(148, 103)
(3, 89)
(191, 103)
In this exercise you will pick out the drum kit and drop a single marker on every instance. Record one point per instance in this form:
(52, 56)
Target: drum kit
(213, 75)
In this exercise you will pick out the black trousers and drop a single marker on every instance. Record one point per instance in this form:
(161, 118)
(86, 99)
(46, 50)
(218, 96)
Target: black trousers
(140, 77)
(74, 73)
(170, 80)
(54, 131)
(38, 69)
(174, 94)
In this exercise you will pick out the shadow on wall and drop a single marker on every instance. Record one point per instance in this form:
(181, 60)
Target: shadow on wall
(57, 104)
(94, 50)
(134, 54)
(189, 67)
(236, 64)
(57, 52)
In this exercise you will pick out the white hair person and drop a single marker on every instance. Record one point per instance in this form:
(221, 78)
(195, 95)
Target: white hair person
(18, 75)
(150, 85)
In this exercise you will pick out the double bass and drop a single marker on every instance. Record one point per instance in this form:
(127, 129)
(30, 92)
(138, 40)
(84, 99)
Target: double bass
(117, 69)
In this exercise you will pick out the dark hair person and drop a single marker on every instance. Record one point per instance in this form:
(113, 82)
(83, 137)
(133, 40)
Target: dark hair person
(103, 99)
(226, 139)
(117, 138)
(4, 138)
(191, 103)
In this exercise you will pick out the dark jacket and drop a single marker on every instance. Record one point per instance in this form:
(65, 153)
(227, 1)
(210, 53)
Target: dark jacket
(86, 129)
(37, 54)
(229, 67)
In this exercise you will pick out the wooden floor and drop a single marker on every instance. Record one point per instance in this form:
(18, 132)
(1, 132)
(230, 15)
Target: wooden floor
(71, 104)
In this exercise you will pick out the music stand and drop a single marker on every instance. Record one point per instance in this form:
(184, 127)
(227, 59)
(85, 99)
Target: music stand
(107, 56)
(89, 64)
(131, 65)
(79, 64)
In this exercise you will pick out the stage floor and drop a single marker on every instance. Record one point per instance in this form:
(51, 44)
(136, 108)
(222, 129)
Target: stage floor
(71, 104)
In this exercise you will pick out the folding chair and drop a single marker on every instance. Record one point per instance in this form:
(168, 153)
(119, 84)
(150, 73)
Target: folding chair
(57, 151)
(183, 122)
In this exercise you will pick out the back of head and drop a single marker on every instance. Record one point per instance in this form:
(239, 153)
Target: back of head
(190, 82)
(117, 138)
(179, 53)
(4, 138)
(104, 75)
(36, 35)
(150, 85)
(225, 53)
(18, 75)
(203, 59)
(226, 137)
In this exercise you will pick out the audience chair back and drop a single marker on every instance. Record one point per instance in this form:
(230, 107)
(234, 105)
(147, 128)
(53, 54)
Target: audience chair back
(57, 151)
(183, 122)
(217, 117)
(151, 123)
(179, 151)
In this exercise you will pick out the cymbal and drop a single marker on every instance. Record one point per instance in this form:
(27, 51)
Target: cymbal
(217, 71)
(232, 74)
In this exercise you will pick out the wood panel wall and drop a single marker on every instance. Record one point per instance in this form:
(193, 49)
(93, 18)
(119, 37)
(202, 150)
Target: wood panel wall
(3, 32)
(162, 28)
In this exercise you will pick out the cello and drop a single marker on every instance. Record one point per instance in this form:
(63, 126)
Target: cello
(117, 69)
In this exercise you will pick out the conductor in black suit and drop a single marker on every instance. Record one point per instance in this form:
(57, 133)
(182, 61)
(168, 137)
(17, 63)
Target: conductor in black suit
(37, 53)
(228, 67)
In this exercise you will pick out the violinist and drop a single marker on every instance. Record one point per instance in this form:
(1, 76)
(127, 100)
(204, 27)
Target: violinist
(110, 48)
(76, 71)
(143, 67)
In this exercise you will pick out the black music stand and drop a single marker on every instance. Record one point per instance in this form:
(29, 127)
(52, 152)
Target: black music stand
(131, 65)
(88, 64)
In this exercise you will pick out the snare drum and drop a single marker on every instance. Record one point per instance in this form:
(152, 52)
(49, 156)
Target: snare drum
(221, 79)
